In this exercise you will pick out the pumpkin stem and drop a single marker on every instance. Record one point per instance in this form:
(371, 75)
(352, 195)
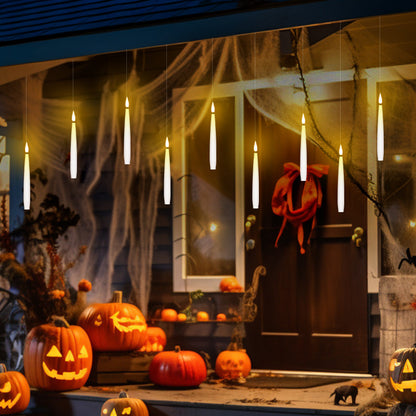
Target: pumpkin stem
(177, 348)
(117, 296)
(60, 321)
(123, 395)
(3, 368)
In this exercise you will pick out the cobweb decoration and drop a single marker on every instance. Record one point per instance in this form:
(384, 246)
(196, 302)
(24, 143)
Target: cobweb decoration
(256, 58)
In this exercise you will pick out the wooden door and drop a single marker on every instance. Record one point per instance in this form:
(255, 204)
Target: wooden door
(312, 307)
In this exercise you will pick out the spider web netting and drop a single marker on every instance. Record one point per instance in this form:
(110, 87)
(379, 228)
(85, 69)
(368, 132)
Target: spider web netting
(285, 72)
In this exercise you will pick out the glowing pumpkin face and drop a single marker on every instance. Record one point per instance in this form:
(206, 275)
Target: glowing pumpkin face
(155, 340)
(124, 405)
(232, 364)
(402, 375)
(57, 357)
(114, 326)
(14, 392)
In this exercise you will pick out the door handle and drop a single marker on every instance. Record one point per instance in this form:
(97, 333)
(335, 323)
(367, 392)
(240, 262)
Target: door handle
(357, 236)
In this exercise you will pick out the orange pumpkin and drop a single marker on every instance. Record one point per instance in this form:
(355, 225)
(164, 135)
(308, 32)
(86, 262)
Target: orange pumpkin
(124, 405)
(155, 340)
(230, 284)
(57, 356)
(182, 317)
(221, 317)
(177, 369)
(202, 316)
(14, 392)
(114, 326)
(169, 315)
(232, 364)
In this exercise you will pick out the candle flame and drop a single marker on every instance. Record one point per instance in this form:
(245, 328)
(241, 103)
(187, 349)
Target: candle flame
(73, 116)
(212, 107)
(380, 101)
(167, 143)
(26, 148)
(340, 150)
(127, 102)
(303, 118)
(255, 146)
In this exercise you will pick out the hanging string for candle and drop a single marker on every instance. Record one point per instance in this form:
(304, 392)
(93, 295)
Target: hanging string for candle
(73, 149)
(26, 166)
(127, 133)
(213, 127)
(341, 185)
(166, 174)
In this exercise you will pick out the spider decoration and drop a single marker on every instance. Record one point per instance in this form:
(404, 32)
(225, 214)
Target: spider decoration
(409, 259)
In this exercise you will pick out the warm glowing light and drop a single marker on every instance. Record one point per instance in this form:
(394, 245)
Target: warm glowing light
(213, 141)
(26, 180)
(303, 152)
(73, 153)
(166, 176)
(380, 130)
(341, 186)
(412, 223)
(213, 227)
(127, 135)
(255, 183)
(398, 158)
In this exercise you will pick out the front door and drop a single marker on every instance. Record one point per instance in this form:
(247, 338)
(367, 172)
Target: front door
(312, 307)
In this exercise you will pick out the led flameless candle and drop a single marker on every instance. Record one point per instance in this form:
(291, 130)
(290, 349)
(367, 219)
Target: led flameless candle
(213, 141)
(127, 135)
(255, 183)
(303, 151)
(380, 130)
(166, 176)
(341, 186)
(26, 180)
(73, 153)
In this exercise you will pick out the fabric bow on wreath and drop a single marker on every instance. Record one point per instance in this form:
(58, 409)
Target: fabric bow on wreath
(282, 200)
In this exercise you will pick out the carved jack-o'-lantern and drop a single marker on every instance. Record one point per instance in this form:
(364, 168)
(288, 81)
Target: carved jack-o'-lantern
(114, 326)
(14, 392)
(402, 374)
(124, 405)
(57, 356)
(232, 363)
(155, 340)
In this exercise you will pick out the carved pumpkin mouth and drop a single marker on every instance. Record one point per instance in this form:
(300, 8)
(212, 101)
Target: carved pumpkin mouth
(127, 324)
(10, 403)
(406, 384)
(66, 375)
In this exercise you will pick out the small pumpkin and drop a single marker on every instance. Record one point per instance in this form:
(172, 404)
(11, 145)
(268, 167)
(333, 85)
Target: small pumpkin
(177, 369)
(202, 316)
(230, 284)
(124, 405)
(114, 326)
(14, 392)
(155, 340)
(402, 375)
(169, 315)
(233, 363)
(57, 356)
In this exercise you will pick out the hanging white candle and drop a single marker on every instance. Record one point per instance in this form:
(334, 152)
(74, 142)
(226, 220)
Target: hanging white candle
(26, 180)
(166, 175)
(213, 141)
(380, 130)
(127, 135)
(303, 151)
(73, 153)
(255, 182)
(341, 186)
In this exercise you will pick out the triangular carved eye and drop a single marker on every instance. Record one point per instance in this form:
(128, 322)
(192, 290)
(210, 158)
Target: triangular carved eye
(113, 412)
(407, 367)
(126, 411)
(83, 352)
(54, 352)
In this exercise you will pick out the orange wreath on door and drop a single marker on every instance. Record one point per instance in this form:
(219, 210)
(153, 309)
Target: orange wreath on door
(311, 199)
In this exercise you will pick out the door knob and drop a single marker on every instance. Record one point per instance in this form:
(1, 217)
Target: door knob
(357, 236)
